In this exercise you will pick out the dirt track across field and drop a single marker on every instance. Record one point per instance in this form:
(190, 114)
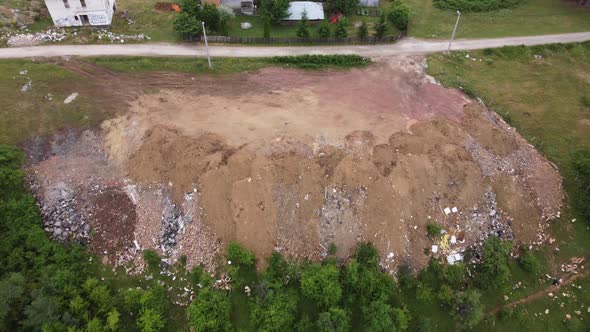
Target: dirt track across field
(292, 161)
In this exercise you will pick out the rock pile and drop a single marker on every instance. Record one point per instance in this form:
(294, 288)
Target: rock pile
(63, 222)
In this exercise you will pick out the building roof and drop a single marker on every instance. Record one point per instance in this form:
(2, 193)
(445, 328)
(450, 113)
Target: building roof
(314, 10)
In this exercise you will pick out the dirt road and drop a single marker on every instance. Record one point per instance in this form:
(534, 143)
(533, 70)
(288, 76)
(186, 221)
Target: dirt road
(567, 279)
(406, 46)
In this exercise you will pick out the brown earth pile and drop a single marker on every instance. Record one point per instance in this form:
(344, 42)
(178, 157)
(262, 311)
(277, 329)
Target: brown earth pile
(294, 161)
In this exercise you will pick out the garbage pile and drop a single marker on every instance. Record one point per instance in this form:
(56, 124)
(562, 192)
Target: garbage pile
(32, 39)
(113, 37)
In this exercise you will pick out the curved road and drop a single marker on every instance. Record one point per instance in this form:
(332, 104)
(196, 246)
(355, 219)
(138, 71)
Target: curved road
(405, 46)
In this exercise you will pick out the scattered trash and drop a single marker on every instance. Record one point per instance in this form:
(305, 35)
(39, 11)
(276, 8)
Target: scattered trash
(246, 25)
(434, 248)
(24, 72)
(453, 258)
(71, 98)
(455, 210)
(453, 239)
(32, 39)
(27, 87)
(447, 211)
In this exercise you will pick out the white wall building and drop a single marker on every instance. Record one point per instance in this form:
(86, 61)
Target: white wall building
(72, 13)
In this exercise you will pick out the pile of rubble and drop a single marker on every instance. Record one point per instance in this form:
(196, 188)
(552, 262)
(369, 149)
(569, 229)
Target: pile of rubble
(32, 39)
(113, 37)
(63, 222)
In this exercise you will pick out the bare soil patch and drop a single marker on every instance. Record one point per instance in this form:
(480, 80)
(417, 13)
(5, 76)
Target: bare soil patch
(293, 161)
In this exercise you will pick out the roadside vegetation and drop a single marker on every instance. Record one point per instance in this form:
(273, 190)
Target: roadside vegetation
(525, 17)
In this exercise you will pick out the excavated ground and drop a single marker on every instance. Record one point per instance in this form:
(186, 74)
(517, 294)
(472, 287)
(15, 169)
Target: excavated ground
(292, 161)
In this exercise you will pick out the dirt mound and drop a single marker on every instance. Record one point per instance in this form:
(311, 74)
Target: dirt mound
(305, 159)
(113, 223)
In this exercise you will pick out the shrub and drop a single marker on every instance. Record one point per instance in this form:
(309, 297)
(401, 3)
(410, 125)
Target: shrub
(346, 7)
(303, 27)
(467, 308)
(273, 10)
(399, 15)
(494, 271)
(324, 30)
(210, 312)
(380, 26)
(341, 31)
(318, 61)
(529, 262)
(332, 249)
(320, 283)
(585, 101)
(363, 30)
(433, 230)
(475, 5)
(152, 258)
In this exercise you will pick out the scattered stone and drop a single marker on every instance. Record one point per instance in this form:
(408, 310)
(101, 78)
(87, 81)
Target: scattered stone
(71, 98)
(27, 87)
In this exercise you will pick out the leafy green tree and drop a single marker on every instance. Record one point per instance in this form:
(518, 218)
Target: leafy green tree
(186, 25)
(321, 284)
(94, 325)
(267, 26)
(210, 15)
(494, 271)
(529, 262)
(274, 10)
(43, 310)
(424, 293)
(303, 26)
(401, 318)
(324, 30)
(276, 312)
(378, 316)
(399, 14)
(113, 320)
(454, 275)
(12, 290)
(99, 295)
(226, 14)
(341, 31)
(191, 7)
(346, 7)
(363, 30)
(210, 312)
(243, 264)
(445, 296)
(380, 27)
(150, 320)
(468, 308)
(333, 320)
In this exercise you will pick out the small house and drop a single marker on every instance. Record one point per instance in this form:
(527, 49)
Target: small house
(313, 10)
(74, 13)
(369, 3)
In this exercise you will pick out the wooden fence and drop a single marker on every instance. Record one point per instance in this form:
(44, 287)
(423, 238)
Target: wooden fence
(298, 41)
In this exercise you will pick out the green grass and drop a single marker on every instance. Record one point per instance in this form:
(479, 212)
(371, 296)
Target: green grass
(227, 65)
(542, 98)
(154, 23)
(23, 114)
(532, 17)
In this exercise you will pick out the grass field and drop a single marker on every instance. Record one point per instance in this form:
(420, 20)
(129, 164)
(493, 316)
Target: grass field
(532, 17)
(32, 112)
(541, 92)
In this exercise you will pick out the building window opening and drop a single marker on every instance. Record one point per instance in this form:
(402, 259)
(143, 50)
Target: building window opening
(83, 3)
(66, 4)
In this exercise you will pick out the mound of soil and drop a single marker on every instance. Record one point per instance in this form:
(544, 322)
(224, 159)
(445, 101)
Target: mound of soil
(292, 161)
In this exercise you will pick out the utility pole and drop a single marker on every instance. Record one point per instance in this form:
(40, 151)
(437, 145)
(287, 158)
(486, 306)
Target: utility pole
(454, 30)
(207, 45)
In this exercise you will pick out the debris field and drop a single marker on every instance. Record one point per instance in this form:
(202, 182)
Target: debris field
(291, 161)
